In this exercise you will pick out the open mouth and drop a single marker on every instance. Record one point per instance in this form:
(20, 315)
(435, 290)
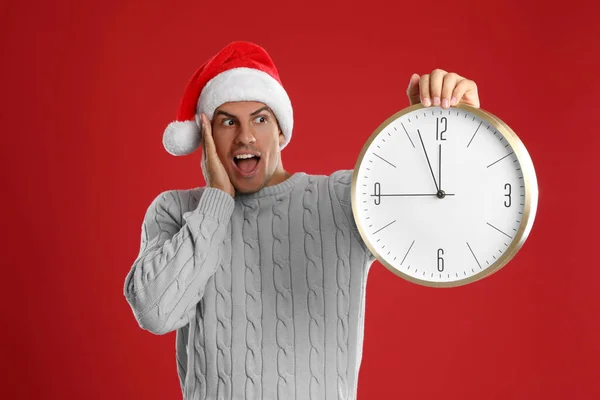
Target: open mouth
(247, 164)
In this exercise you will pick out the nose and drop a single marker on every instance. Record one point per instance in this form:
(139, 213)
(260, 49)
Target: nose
(245, 135)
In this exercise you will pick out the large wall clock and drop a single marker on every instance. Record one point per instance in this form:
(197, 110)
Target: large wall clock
(444, 197)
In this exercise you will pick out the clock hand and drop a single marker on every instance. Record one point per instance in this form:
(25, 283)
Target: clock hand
(428, 163)
(408, 194)
(440, 166)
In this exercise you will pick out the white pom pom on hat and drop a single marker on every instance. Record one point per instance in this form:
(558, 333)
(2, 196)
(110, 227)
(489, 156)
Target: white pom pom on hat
(241, 71)
(181, 138)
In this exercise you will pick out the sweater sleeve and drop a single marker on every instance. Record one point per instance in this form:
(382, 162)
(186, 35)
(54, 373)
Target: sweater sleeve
(178, 255)
(341, 187)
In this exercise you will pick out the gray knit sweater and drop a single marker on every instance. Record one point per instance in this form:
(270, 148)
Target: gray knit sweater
(266, 291)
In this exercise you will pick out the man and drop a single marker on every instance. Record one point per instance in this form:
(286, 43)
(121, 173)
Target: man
(262, 272)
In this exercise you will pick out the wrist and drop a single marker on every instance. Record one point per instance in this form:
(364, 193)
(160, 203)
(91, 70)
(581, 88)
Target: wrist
(217, 202)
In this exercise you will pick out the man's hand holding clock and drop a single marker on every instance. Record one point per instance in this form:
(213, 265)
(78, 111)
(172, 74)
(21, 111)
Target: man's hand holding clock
(478, 158)
(447, 89)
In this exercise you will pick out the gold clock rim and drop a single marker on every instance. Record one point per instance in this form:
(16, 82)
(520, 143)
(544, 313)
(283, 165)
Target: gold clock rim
(530, 190)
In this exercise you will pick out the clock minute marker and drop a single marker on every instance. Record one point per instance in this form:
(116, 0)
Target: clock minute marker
(407, 251)
(474, 133)
(498, 230)
(384, 227)
(473, 255)
(378, 156)
(407, 135)
(502, 158)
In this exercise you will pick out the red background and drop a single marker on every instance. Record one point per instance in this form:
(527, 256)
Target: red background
(88, 87)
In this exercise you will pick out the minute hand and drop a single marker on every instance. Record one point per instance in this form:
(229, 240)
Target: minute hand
(437, 189)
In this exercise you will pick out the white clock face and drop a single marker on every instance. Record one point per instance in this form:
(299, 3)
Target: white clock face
(439, 196)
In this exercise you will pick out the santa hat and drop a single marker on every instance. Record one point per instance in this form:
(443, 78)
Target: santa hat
(241, 71)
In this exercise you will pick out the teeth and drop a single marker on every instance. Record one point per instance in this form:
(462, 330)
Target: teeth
(240, 156)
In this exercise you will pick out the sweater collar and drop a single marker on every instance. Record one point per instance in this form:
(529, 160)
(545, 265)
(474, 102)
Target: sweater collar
(279, 188)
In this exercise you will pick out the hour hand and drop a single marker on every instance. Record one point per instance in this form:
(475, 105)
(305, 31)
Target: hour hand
(440, 166)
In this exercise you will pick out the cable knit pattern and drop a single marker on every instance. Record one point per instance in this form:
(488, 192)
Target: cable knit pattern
(171, 265)
(314, 279)
(342, 244)
(253, 301)
(264, 290)
(199, 347)
(283, 301)
(223, 312)
(188, 200)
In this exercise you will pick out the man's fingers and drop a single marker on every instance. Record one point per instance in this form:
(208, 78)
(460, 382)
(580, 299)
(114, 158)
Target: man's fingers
(207, 138)
(448, 86)
(466, 91)
(441, 88)
(424, 90)
(413, 89)
(435, 85)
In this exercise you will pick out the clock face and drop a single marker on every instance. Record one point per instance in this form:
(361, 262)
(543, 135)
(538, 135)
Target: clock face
(444, 197)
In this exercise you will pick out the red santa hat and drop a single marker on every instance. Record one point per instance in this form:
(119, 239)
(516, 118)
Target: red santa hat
(241, 71)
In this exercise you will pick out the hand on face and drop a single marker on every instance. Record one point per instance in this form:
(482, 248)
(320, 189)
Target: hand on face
(245, 137)
(214, 172)
(442, 88)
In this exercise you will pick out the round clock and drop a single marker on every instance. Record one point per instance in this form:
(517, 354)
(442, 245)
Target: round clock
(444, 197)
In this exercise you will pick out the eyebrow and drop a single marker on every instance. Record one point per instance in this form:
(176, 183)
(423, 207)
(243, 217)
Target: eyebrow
(226, 114)
(221, 112)
(261, 109)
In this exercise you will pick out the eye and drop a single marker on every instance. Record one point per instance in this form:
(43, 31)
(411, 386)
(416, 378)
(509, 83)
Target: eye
(261, 119)
(227, 122)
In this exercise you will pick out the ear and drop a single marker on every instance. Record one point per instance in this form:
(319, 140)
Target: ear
(281, 137)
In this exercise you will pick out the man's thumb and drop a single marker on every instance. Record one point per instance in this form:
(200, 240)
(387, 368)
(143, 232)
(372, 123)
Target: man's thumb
(413, 91)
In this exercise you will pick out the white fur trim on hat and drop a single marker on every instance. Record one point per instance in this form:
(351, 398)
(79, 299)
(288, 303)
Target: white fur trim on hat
(181, 137)
(247, 84)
